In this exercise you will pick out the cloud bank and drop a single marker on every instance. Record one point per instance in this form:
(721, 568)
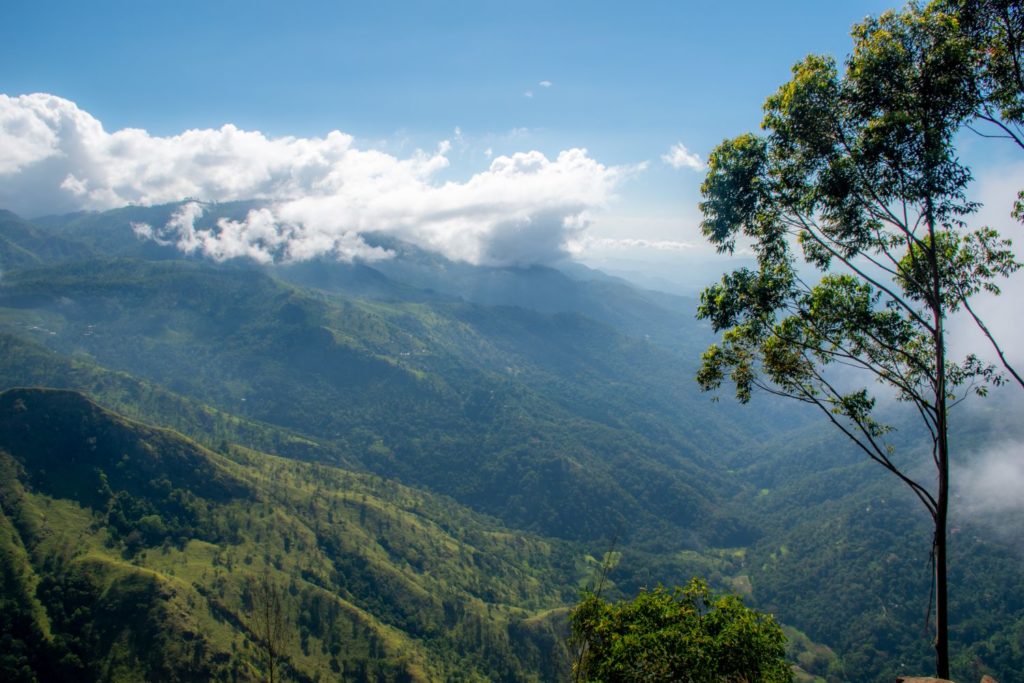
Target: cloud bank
(322, 193)
(988, 490)
(995, 481)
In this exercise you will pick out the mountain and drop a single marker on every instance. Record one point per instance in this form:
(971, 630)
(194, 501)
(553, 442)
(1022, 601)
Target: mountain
(552, 404)
(411, 274)
(132, 553)
(554, 423)
(568, 288)
(23, 244)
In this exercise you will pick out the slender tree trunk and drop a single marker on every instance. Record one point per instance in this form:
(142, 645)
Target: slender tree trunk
(942, 459)
(941, 524)
(941, 593)
(941, 521)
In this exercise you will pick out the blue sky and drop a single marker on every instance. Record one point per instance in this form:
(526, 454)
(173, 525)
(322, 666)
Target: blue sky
(624, 81)
(620, 73)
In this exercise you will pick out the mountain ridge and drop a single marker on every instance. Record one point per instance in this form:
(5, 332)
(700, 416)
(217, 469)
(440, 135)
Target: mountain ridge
(557, 400)
(154, 548)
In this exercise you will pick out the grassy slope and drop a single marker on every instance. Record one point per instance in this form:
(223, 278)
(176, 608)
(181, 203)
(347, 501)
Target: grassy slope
(161, 536)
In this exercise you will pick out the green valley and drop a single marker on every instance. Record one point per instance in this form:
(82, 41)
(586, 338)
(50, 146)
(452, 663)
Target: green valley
(425, 471)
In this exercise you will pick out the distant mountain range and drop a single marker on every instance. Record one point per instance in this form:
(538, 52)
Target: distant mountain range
(484, 433)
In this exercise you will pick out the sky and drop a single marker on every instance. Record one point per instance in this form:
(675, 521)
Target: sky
(498, 133)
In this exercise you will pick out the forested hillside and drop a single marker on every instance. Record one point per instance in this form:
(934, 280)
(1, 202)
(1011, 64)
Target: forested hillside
(416, 391)
(133, 552)
(426, 469)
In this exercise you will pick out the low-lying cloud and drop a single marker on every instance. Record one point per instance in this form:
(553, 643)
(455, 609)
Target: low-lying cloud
(994, 481)
(321, 193)
(261, 237)
(635, 243)
(989, 490)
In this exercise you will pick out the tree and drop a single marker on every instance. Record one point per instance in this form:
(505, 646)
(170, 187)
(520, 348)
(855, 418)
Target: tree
(688, 635)
(994, 29)
(268, 619)
(857, 172)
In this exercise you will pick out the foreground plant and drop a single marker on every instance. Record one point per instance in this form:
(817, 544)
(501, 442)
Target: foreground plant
(686, 635)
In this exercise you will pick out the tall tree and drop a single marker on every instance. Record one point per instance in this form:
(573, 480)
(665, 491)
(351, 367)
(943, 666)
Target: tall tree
(268, 620)
(857, 172)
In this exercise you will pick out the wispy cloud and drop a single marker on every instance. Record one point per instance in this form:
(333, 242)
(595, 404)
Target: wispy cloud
(994, 482)
(321, 193)
(680, 157)
(545, 84)
(988, 490)
(602, 243)
(528, 94)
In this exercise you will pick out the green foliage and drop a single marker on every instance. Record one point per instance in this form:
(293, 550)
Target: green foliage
(995, 29)
(839, 155)
(373, 580)
(685, 635)
(858, 173)
(27, 648)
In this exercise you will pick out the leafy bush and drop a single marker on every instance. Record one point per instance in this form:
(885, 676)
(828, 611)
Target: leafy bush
(687, 635)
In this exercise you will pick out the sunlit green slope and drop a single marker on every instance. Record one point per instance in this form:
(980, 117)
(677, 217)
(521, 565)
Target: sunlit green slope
(132, 551)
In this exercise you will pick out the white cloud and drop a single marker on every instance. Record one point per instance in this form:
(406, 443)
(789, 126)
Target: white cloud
(528, 94)
(261, 236)
(988, 491)
(994, 482)
(545, 84)
(678, 157)
(635, 243)
(321, 193)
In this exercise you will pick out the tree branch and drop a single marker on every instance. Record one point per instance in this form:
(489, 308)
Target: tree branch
(870, 280)
(984, 329)
(876, 454)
